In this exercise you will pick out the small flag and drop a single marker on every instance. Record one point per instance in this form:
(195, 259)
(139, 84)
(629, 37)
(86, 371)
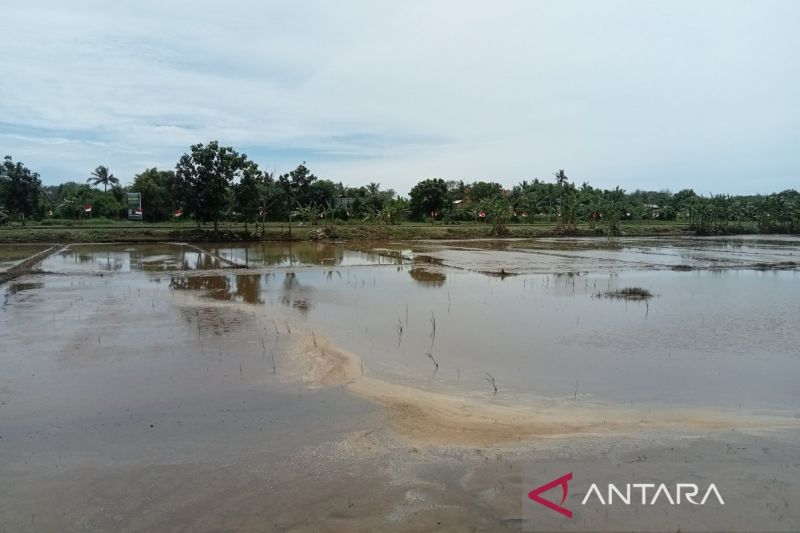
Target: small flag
(87, 208)
(482, 214)
(178, 213)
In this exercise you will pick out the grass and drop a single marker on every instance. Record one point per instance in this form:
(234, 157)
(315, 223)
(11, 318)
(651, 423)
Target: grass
(274, 231)
(628, 293)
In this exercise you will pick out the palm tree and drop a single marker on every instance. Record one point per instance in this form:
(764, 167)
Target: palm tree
(102, 175)
(561, 177)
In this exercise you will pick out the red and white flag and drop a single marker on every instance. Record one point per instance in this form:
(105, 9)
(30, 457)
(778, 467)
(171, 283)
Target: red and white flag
(482, 214)
(87, 208)
(178, 213)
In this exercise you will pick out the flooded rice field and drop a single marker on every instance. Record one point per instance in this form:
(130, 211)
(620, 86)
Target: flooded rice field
(399, 387)
(12, 254)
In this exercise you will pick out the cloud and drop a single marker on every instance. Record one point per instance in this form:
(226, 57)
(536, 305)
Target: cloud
(650, 95)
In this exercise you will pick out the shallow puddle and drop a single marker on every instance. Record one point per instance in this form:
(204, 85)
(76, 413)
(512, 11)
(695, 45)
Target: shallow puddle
(11, 254)
(122, 258)
(297, 254)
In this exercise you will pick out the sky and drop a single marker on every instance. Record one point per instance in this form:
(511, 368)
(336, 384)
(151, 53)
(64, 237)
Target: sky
(644, 95)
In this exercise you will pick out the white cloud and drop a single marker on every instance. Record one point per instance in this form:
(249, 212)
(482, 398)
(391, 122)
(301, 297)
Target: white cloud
(647, 95)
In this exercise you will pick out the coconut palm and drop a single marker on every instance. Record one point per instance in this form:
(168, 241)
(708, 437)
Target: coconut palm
(102, 175)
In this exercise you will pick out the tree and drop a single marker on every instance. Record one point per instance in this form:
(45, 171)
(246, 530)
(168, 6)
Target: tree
(157, 189)
(428, 196)
(20, 189)
(247, 193)
(482, 190)
(561, 177)
(297, 185)
(102, 175)
(498, 210)
(206, 175)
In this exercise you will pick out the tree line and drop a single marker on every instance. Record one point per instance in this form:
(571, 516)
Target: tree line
(213, 183)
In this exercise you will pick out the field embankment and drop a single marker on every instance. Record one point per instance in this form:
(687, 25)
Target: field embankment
(167, 232)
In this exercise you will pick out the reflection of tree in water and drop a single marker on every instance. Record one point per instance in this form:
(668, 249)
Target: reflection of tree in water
(218, 287)
(197, 261)
(248, 288)
(15, 288)
(205, 261)
(290, 298)
(107, 261)
(428, 277)
(300, 254)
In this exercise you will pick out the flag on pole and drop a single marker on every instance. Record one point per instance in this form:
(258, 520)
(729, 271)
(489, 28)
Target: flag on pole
(87, 208)
(178, 213)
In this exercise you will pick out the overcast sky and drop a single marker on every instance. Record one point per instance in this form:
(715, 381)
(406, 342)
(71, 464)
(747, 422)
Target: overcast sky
(639, 94)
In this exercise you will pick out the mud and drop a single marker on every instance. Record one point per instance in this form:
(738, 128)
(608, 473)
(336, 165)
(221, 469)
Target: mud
(150, 388)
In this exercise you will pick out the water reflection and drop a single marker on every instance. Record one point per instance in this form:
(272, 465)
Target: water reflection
(129, 258)
(18, 287)
(248, 288)
(215, 286)
(295, 254)
(428, 277)
(294, 293)
(10, 254)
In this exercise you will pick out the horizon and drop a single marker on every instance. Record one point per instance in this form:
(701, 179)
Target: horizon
(651, 97)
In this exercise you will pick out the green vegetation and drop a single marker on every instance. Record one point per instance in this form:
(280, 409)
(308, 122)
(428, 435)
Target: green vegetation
(217, 185)
(628, 293)
(96, 230)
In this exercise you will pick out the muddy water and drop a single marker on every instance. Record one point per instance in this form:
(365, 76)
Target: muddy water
(11, 254)
(83, 258)
(711, 337)
(618, 254)
(298, 254)
(152, 388)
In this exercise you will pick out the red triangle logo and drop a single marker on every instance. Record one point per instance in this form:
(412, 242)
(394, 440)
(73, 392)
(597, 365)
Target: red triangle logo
(562, 482)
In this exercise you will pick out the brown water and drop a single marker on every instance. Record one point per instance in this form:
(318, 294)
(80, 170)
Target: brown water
(154, 388)
(723, 337)
(11, 254)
